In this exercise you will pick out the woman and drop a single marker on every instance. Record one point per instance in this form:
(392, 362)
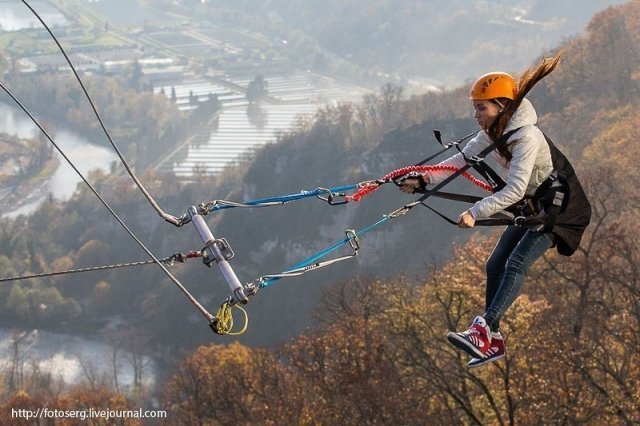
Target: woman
(527, 160)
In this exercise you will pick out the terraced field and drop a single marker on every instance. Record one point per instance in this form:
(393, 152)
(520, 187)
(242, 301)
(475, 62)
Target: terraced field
(240, 127)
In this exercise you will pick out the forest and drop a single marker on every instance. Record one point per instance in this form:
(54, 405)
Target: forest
(372, 350)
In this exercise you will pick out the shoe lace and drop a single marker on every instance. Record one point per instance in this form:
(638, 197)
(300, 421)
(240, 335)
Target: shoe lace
(477, 330)
(474, 329)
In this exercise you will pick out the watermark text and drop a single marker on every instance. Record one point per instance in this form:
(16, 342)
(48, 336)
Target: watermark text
(90, 413)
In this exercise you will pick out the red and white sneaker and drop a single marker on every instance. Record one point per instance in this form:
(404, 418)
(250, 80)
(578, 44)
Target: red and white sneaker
(476, 341)
(495, 352)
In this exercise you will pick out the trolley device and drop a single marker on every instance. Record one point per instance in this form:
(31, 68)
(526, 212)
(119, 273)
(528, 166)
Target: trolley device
(219, 250)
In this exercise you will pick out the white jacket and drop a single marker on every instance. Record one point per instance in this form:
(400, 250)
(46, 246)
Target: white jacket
(530, 164)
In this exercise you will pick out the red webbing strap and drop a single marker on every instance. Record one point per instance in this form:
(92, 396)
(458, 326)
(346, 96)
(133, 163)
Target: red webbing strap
(369, 187)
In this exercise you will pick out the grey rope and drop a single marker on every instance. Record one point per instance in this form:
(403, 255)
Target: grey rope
(168, 261)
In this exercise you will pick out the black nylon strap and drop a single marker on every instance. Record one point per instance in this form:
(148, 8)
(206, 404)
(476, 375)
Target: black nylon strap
(464, 198)
(446, 148)
(499, 219)
(495, 222)
(490, 175)
(478, 158)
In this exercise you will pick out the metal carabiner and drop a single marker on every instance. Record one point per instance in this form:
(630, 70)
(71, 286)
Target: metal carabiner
(519, 221)
(331, 197)
(352, 238)
(402, 210)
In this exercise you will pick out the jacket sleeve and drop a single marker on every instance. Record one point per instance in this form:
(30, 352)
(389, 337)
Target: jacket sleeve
(524, 153)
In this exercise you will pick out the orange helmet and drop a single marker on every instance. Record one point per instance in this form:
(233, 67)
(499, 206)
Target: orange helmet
(493, 85)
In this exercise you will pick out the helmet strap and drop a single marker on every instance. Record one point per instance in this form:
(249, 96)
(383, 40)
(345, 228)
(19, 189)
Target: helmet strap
(500, 104)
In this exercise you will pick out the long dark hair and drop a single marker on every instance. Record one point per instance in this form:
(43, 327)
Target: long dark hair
(526, 82)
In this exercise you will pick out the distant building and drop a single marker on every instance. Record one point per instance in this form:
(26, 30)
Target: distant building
(106, 61)
(57, 63)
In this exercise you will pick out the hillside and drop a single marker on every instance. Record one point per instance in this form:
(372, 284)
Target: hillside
(584, 101)
(448, 41)
(377, 355)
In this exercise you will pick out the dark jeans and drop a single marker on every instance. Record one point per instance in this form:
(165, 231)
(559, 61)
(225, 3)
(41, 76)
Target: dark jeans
(517, 249)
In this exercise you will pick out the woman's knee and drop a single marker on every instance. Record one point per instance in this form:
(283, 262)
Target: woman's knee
(516, 263)
(495, 265)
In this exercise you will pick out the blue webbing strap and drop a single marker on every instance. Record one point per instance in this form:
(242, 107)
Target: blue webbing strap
(312, 262)
(279, 200)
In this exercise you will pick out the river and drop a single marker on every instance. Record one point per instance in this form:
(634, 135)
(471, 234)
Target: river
(70, 359)
(16, 16)
(85, 155)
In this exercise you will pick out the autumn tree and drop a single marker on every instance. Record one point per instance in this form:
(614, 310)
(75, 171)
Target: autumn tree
(77, 398)
(348, 363)
(234, 385)
(600, 291)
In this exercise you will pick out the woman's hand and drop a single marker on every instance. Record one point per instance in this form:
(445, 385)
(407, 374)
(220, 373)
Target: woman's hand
(409, 186)
(413, 181)
(466, 220)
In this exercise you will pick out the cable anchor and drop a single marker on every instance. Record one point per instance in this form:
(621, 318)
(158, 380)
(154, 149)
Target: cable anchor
(223, 246)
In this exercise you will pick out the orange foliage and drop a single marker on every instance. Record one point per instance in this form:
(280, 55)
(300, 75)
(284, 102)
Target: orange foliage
(66, 410)
(379, 355)
(617, 145)
(233, 385)
(597, 75)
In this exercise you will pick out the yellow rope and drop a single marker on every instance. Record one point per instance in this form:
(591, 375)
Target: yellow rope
(223, 323)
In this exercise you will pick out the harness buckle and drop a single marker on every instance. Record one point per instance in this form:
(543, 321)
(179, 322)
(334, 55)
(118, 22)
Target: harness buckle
(474, 160)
